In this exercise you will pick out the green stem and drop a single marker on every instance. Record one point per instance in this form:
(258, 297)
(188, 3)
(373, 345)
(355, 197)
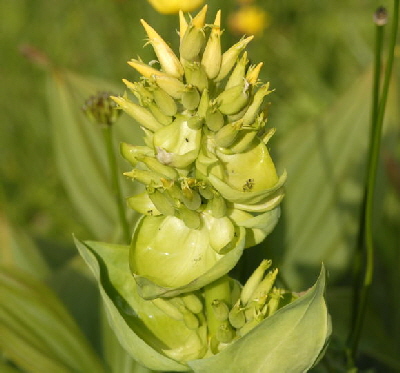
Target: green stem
(219, 289)
(116, 188)
(366, 245)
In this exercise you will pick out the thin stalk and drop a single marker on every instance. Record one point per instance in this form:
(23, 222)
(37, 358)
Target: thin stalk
(116, 187)
(365, 229)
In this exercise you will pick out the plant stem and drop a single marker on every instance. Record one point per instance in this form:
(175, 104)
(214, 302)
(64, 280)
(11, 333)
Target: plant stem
(116, 188)
(219, 289)
(365, 239)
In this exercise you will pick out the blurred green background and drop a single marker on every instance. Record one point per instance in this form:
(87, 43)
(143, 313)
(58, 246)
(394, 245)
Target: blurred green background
(317, 55)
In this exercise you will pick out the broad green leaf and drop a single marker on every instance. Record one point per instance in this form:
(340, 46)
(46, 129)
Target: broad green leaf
(19, 250)
(288, 341)
(325, 161)
(141, 328)
(81, 154)
(36, 331)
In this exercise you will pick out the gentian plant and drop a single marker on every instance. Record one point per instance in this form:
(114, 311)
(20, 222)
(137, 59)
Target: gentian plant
(210, 191)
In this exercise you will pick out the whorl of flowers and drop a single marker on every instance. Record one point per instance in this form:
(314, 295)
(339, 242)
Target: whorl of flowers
(211, 188)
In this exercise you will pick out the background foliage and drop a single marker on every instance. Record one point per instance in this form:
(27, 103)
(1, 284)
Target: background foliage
(318, 56)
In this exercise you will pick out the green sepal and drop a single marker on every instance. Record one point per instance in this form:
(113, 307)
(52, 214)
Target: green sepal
(262, 350)
(167, 258)
(143, 330)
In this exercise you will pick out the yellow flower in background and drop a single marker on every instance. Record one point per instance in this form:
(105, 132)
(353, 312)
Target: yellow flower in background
(250, 20)
(174, 6)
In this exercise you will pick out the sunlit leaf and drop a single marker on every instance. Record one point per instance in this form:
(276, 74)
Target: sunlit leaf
(81, 154)
(36, 331)
(325, 161)
(288, 341)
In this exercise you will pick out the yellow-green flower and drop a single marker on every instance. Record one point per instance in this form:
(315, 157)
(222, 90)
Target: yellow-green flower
(174, 6)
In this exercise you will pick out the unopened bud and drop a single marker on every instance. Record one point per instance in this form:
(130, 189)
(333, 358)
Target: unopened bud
(214, 119)
(238, 73)
(252, 73)
(212, 55)
(167, 58)
(191, 98)
(229, 58)
(195, 122)
(155, 165)
(195, 75)
(189, 217)
(236, 316)
(275, 297)
(380, 16)
(139, 113)
(165, 102)
(158, 114)
(133, 153)
(233, 99)
(162, 202)
(225, 333)
(168, 308)
(227, 134)
(217, 205)
(204, 104)
(144, 69)
(253, 281)
(174, 87)
(221, 309)
(254, 108)
(145, 177)
(192, 302)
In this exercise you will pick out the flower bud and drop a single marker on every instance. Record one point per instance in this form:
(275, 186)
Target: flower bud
(249, 326)
(275, 297)
(167, 58)
(193, 40)
(165, 102)
(252, 73)
(158, 114)
(204, 104)
(214, 119)
(233, 99)
(195, 75)
(227, 134)
(238, 73)
(145, 177)
(168, 307)
(212, 55)
(221, 309)
(254, 108)
(217, 206)
(261, 292)
(162, 202)
(225, 333)
(144, 69)
(192, 302)
(164, 170)
(174, 87)
(245, 140)
(132, 153)
(143, 95)
(139, 113)
(229, 58)
(143, 204)
(189, 217)
(191, 98)
(253, 281)
(195, 122)
(191, 198)
(236, 316)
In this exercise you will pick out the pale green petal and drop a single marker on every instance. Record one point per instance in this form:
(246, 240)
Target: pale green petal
(169, 258)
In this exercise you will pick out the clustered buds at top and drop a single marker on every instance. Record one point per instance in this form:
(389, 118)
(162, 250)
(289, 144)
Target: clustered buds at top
(210, 186)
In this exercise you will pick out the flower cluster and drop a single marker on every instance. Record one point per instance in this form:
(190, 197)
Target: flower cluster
(211, 188)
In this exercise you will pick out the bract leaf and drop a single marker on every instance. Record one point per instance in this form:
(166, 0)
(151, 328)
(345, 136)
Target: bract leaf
(37, 332)
(288, 341)
(142, 329)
